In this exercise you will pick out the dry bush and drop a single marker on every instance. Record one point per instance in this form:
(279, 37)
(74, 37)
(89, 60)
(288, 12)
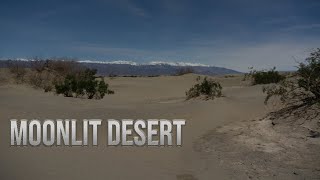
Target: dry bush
(43, 80)
(18, 70)
(46, 73)
(5, 76)
(38, 64)
(64, 67)
(61, 67)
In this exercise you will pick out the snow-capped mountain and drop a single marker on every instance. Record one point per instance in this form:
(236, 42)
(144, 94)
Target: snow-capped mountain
(131, 62)
(131, 68)
(150, 63)
(177, 63)
(154, 68)
(110, 62)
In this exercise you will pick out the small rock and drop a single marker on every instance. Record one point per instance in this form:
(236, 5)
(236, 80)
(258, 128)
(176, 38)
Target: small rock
(314, 134)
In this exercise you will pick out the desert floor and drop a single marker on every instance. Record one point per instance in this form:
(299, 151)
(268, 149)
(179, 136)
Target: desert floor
(225, 138)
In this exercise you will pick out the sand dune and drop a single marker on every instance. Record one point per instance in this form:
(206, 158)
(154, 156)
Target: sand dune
(210, 130)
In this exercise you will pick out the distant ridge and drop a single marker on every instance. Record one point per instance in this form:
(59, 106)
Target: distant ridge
(150, 63)
(130, 68)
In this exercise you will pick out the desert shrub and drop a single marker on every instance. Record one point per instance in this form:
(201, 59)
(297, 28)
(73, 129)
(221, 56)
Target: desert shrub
(264, 76)
(57, 66)
(46, 73)
(207, 88)
(67, 87)
(103, 89)
(66, 77)
(38, 65)
(184, 70)
(18, 70)
(5, 76)
(64, 67)
(302, 90)
(83, 83)
(43, 80)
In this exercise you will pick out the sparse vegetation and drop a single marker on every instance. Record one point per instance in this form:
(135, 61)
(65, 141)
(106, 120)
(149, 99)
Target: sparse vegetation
(18, 70)
(264, 76)
(301, 92)
(66, 77)
(46, 73)
(132, 76)
(229, 76)
(207, 88)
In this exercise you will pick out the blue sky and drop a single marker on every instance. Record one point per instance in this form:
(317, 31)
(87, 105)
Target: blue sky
(230, 33)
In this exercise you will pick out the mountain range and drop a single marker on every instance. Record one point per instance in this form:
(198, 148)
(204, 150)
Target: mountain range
(155, 68)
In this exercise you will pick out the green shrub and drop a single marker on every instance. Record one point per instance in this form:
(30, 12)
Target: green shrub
(207, 88)
(309, 75)
(83, 83)
(302, 90)
(67, 87)
(103, 89)
(264, 77)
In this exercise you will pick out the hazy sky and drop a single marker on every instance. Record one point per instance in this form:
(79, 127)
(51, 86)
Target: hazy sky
(230, 33)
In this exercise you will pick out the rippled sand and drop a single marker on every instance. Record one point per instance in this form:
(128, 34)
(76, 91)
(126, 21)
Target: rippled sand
(143, 98)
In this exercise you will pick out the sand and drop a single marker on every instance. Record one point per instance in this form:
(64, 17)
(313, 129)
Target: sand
(218, 141)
